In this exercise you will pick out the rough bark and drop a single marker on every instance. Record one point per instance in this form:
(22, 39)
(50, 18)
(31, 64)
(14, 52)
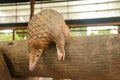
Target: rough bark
(87, 58)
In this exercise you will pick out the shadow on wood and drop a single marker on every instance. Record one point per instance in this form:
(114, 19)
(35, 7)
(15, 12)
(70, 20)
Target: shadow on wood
(4, 73)
(87, 58)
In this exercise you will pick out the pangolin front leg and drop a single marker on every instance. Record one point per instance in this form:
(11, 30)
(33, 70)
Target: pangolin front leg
(60, 43)
(60, 50)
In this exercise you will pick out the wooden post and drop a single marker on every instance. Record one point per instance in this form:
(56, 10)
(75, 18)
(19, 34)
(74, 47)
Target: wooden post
(31, 8)
(87, 58)
(119, 29)
(13, 35)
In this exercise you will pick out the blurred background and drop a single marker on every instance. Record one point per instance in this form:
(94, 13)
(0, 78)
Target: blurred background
(84, 17)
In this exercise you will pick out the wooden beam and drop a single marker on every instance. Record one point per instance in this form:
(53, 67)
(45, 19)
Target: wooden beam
(87, 58)
(18, 27)
(110, 21)
(98, 24)
(69, 25)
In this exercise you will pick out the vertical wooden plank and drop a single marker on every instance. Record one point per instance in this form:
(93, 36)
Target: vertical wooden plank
(31, 8)
(4, 73)
(119, 29)
(13, 35)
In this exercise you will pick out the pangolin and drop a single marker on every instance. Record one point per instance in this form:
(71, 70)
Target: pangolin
(43, 28)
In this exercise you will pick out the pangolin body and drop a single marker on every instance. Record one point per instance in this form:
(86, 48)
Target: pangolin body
(46, 27)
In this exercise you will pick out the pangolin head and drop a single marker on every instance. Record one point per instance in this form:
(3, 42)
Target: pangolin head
(34, 56)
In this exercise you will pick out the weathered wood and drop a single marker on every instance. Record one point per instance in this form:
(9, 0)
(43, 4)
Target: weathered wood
(29, 78)
(87, 58)
(4, 73)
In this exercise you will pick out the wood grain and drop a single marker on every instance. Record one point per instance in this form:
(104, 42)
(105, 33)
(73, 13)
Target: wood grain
(87, 58)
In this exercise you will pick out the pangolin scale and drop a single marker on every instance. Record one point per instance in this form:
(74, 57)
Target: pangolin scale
(43, 28)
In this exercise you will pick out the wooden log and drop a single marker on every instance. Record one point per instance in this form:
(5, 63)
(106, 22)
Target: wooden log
(29, 78)
(87, 58)
(4, 73)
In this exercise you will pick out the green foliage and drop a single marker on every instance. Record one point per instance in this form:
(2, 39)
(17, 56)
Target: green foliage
(101, 32)
(78, 31)
(5, 37)
(104, 32)
(21, 34)
(92, 34)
